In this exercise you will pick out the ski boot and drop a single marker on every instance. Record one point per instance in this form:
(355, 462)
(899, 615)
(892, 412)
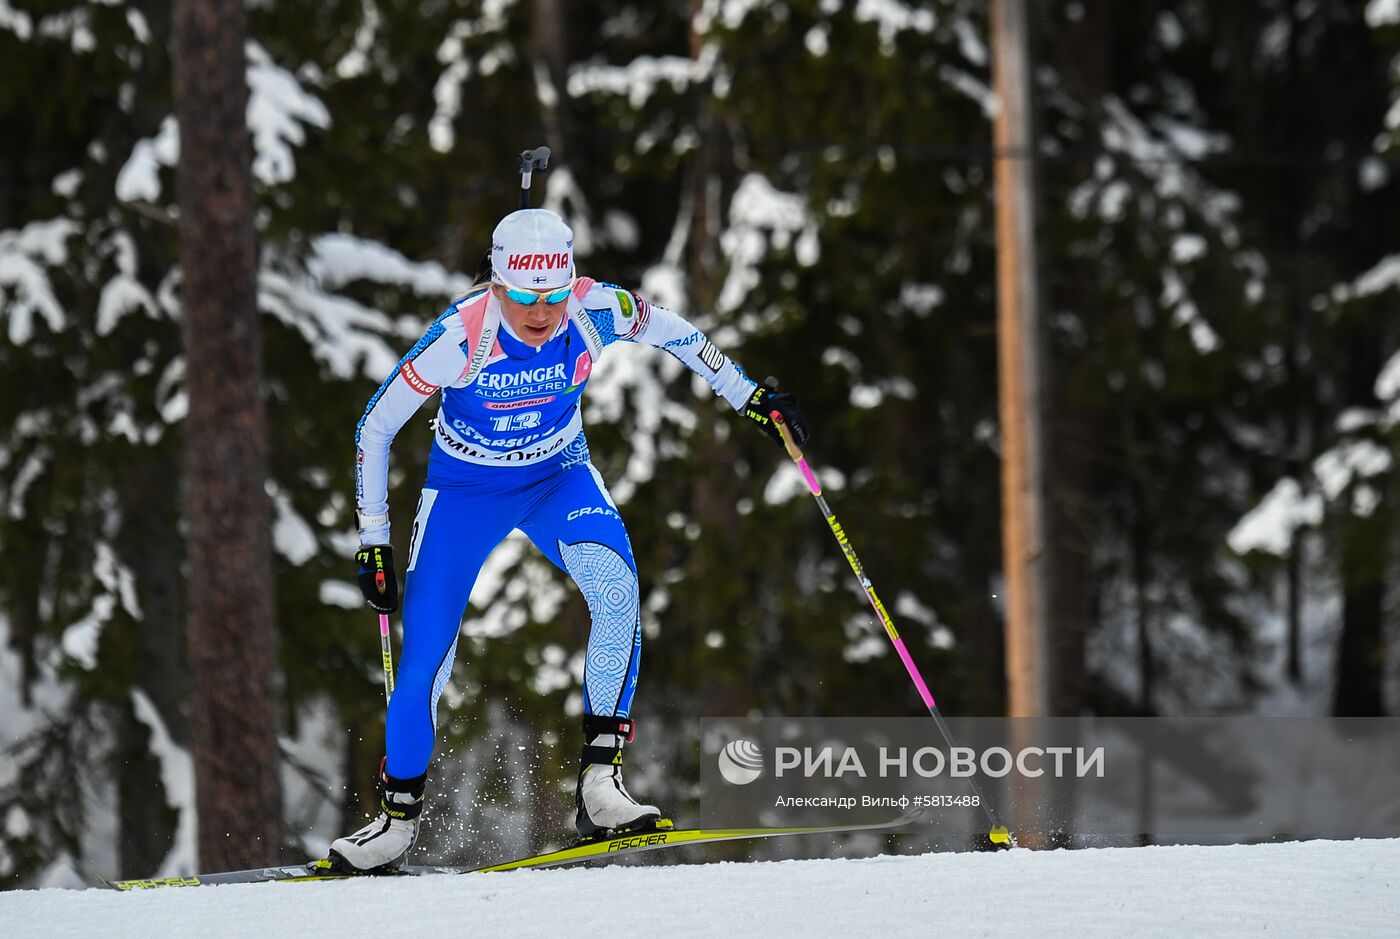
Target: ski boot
(381, 846)
(604, 805)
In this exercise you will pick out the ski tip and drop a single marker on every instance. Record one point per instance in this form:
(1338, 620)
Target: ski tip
(1000, 837)
(127, 885)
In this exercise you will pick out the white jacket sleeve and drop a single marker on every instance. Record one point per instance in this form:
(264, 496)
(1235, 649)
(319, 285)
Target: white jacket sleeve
(633, 319)
(434, 361)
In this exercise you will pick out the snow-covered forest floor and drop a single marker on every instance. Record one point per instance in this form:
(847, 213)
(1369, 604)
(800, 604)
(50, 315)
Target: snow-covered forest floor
(1317, 888)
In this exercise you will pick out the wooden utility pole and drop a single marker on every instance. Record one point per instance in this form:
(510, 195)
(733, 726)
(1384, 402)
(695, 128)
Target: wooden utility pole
(232, 651)
(1020, 377)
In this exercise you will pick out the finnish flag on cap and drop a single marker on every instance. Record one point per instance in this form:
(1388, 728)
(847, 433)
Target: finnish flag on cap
(533, 249)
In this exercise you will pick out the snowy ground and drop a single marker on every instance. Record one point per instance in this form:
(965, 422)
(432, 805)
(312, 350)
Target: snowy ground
(1319, 888)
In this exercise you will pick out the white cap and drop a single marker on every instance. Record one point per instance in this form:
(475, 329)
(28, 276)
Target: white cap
(532, 248)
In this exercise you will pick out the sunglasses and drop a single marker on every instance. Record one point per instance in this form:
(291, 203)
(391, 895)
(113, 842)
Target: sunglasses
(526, 297)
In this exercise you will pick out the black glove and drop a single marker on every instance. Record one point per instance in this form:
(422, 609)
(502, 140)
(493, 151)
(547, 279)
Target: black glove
(377, 581)
(764, 402)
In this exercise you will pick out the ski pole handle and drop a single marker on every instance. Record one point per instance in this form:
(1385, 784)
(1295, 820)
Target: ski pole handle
(795, 452)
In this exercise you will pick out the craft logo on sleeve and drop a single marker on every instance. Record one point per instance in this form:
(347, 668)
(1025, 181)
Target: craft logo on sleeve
(682, 342)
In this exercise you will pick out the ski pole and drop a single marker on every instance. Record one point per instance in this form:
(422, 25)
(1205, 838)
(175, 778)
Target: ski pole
(998, 834)
(386, 654)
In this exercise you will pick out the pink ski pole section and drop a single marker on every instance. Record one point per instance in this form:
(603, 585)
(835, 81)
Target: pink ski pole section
(809, 476)
(914, 673)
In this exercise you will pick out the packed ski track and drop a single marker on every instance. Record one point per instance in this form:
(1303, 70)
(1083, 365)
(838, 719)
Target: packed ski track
(1318, 888)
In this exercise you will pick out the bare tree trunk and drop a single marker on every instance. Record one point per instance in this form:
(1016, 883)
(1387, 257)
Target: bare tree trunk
(1293, 602)
(1026, 546)
(231, 633)
(1077, 431)
(704, 190)
(1298, 287)
(1361, 656)
(150, 539)
(1361, 649)
(147, 822)
(1364, 554)
(1020, 357)
(1147, 670)
(549, 39)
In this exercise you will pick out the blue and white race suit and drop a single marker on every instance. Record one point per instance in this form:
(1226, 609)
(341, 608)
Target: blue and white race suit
(509, 452)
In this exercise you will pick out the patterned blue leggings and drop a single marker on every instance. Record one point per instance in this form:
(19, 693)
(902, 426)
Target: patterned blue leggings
(463, 514)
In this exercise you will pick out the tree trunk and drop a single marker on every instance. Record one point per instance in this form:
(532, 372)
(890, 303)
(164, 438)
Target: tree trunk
(147, 822)
(1361, 656)
(549, 41)
(149, 539)
(231, 634)
(1078, 431)
(1026, 544)
(1365, 548)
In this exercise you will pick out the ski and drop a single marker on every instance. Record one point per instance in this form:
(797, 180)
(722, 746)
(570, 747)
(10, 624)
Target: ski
(666, 837)
(628, 843)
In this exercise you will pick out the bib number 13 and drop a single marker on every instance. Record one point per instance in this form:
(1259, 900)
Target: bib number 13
(507, 423)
